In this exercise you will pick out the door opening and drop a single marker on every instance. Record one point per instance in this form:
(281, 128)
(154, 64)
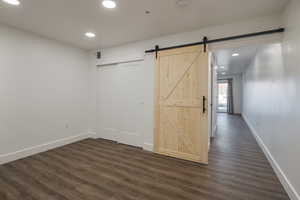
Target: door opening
(223, 96)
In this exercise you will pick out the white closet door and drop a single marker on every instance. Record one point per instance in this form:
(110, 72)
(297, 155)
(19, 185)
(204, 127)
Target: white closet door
(120, 103)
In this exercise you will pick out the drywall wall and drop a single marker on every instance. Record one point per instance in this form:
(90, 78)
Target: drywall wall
(44, 93)
(134, 51)
(271, 101)
(237, 85)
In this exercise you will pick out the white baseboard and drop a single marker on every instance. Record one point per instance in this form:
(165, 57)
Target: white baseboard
(148, 146)
(93, 135)
(290, 189)
(129, 138)
(123, 137)
(5, 158)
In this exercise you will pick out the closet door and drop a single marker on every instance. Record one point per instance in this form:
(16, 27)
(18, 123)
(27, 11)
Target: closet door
(120, 107)
(181, 104)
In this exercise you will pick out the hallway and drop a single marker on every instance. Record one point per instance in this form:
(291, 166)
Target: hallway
(101, 169)
(240, 160)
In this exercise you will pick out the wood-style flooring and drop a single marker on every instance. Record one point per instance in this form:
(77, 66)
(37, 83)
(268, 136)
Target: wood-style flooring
(104, 170)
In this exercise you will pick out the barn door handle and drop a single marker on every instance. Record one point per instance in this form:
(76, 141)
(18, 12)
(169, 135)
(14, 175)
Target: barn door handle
(203, 101)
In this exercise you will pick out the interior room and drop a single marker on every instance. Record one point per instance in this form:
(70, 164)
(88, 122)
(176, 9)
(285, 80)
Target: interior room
(149, 99)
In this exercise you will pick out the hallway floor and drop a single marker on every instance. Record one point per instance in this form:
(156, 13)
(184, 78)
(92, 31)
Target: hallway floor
(236, 153)
(104, 170)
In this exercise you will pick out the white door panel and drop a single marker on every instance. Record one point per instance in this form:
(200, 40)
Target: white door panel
(120, 103)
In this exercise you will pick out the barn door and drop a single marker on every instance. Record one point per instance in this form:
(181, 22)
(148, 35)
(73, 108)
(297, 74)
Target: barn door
(181, 129)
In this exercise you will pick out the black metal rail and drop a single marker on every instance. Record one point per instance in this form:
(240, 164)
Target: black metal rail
(279, 30)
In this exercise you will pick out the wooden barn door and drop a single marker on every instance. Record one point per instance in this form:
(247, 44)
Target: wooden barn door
(181, 128)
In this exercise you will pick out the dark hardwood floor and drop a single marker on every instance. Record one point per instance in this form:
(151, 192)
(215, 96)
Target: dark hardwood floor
(103, 170)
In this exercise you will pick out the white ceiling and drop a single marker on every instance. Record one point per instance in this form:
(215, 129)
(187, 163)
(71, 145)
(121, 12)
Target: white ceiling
(235, 65)
(68, 20)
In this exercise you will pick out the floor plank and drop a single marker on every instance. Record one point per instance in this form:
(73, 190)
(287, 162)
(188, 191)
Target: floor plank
(101, 169)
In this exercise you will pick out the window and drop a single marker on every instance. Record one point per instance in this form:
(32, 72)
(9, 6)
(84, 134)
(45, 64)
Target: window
(223, 96)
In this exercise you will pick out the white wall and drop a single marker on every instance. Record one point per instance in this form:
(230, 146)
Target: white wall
(237, 85)
(271, 101)
(44, 92)
(136, 51)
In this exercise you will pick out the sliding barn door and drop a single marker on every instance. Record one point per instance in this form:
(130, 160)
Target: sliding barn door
(181, 104)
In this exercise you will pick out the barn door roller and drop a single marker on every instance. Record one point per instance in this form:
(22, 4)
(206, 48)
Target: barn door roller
(205, 43)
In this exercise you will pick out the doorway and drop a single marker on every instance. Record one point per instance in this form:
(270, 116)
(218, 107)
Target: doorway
(223, 96)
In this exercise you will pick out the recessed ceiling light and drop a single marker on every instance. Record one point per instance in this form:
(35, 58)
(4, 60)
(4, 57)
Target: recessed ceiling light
(109, 3)
(90, 35)
(222, 67)
(235, 54)
(182, 3)
(12, 2)
(223, 73)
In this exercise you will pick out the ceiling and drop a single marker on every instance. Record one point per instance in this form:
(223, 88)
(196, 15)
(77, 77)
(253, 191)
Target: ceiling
(68, 20)
(234, 65)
